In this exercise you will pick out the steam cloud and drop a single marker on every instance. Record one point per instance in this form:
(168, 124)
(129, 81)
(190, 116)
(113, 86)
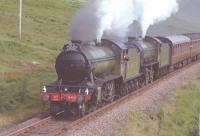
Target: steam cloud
(114, 17)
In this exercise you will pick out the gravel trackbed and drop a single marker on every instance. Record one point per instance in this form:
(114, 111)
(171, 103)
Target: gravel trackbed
(106, 124)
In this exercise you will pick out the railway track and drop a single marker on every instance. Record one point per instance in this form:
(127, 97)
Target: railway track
(35, 125)
(51, 126)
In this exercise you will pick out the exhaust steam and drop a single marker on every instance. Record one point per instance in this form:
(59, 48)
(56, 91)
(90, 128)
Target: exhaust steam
(112, 18)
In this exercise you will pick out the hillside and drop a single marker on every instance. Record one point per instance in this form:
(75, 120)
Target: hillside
(45, 29)
(28, 63)
(174, 120)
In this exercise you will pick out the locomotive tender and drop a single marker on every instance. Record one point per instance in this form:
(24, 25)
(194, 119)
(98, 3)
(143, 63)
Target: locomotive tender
(93, 74)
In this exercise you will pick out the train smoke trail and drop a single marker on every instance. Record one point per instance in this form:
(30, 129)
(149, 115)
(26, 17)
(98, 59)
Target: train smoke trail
(114, 17)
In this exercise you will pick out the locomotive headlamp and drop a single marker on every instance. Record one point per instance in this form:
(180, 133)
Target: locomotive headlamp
(126, 57)
(87, 91)
(79, 91)
(44, 89)
(83, 91)
(66, 89)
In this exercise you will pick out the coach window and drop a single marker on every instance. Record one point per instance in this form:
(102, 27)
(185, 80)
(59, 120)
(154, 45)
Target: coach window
(174, 49)
(185, 46)
(179, 48)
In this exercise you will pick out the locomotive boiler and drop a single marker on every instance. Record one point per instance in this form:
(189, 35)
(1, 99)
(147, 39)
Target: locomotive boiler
(81, 61)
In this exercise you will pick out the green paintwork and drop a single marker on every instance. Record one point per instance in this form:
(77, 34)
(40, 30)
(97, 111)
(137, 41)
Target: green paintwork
(133, 64)
(149, 50)
(164, 54)
(102, 59)
(104, 66)
(109, 59)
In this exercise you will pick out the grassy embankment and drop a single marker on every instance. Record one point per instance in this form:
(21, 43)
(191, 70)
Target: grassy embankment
(180, 119)
(27, 61)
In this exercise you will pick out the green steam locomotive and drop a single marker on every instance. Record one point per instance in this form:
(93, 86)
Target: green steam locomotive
(92, 74)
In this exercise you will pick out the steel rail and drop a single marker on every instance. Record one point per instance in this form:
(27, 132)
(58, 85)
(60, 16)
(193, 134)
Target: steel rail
(33, 126)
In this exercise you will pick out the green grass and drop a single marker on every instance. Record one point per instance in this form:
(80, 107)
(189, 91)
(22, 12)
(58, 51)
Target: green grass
(21, 95)
(181, 119)
(45, 30)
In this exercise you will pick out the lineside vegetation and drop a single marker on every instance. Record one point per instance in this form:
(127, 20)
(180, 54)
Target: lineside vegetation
(180, 119)
(45, 29)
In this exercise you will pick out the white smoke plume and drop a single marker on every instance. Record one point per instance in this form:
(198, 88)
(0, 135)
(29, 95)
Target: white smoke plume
(114, 17)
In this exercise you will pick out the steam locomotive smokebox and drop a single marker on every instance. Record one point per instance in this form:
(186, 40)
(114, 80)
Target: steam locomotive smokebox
(71, 64)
